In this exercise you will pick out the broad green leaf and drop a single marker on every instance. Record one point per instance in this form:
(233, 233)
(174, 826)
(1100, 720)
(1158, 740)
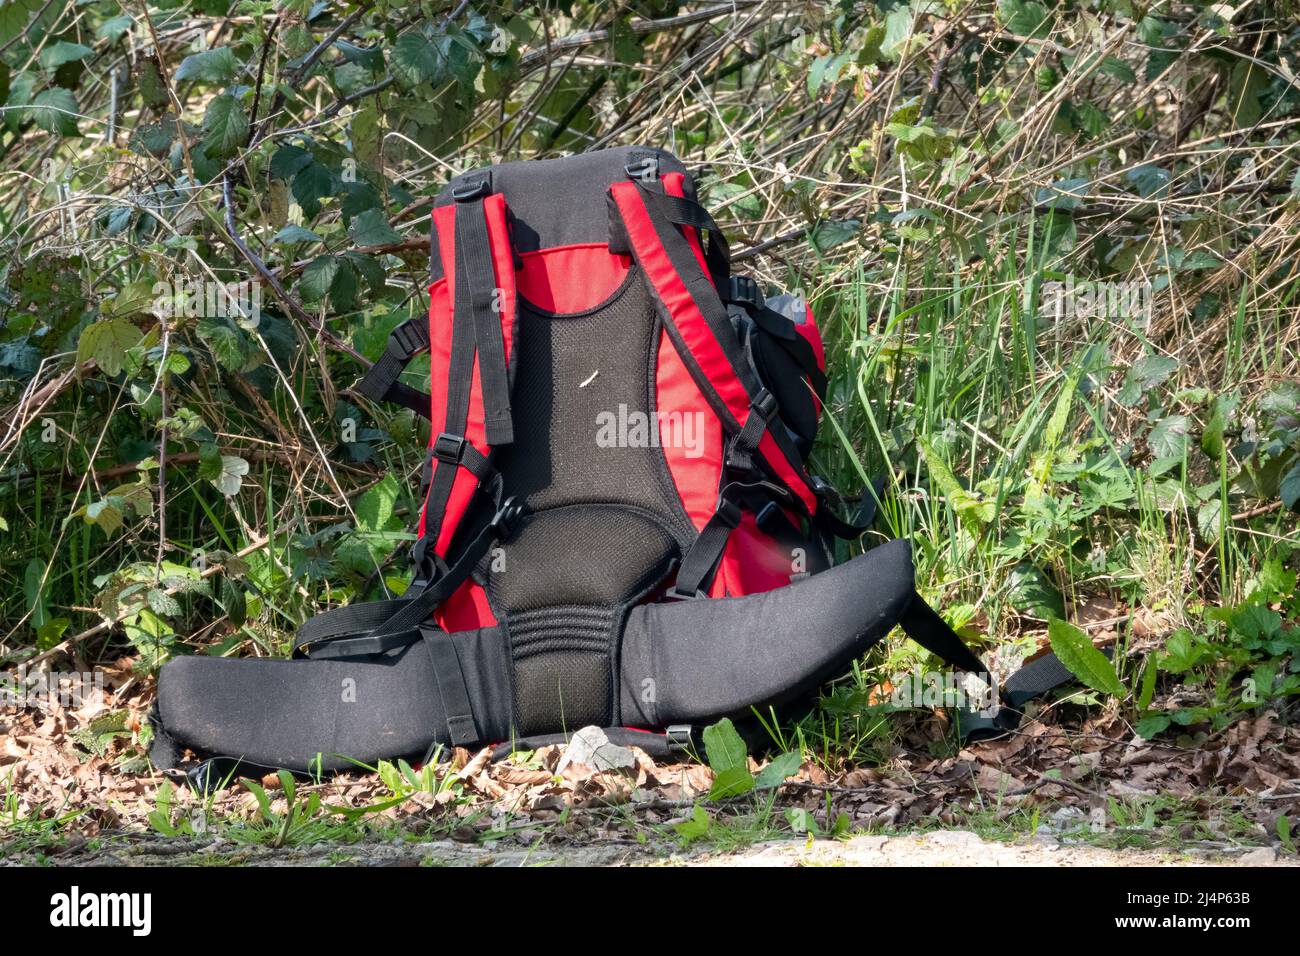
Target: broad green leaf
(1075, 650)
(371, 228)
(731, 782)
(294, 233)
(57, 54)
(375, 509)
(1152, 725)
(724, 747)
(225, 127)
(696, 826)
(778, 770)
(318, 278)
(211, 66)
(106, 343)
(56, 110)
(1168, 439)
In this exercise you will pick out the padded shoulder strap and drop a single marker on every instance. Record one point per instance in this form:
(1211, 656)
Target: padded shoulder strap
(473, 378)
(697, 323)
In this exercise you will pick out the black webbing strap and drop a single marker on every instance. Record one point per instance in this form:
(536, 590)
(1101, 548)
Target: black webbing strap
(849, 528)
(685, 212)
(382, 382)
(345, 622)
(403, 626)
(476, 289)
(449, 678)
(700, 562)
(924, 625)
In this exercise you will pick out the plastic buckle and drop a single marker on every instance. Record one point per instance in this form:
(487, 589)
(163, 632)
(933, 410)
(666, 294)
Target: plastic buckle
(728, 511)
(507, 517)
(407, 340)
(645, 171)
(449, 448)
(678, 738)
(766, 517)
(744, 291)
(468, 192)
(765, 405)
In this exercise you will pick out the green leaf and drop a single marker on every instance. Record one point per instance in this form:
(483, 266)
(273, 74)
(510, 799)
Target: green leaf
(375, 509)
(1168, 439)
(724, 747)
(318, 277)
(1148, 688)
(106, 344)
(696, 826)
(294, 233)
(113, 28)
(1152, 725)
(1289, 489)
(225, 127)
(1075, 650)
(371, 228)
(211, 66)
(731, 782)
(56, 110)
(288, 161)
(778, 770)
(1026, 19)
(231, 478)
(57, 54)
(33, 591)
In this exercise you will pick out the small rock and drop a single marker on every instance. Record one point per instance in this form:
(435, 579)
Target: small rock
(1262, 856)
(591, 748)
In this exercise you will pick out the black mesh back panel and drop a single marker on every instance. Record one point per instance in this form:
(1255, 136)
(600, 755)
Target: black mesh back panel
(605, 521)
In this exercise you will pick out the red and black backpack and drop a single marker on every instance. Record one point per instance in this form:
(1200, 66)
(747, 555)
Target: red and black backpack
(619, 524)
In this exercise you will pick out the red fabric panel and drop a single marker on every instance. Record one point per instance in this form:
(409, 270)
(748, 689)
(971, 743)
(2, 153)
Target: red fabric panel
(751, 563)
(694, 329)
(696, 472)
(569, 279)
(465, 610)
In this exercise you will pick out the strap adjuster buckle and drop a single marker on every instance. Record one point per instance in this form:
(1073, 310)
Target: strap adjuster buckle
(645, 171)
(468, 192)
(744, 291)
(408, 339)
(449, 448)
(765, 405)
(728, 511)
(678, 738)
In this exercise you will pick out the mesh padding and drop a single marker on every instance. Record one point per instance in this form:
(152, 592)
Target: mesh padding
(562, 667)
(575, 374)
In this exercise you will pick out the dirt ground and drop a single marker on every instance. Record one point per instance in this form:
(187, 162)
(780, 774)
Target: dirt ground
(938, 848)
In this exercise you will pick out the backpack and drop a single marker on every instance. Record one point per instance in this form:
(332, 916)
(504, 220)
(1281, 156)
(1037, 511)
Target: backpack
(619, 524)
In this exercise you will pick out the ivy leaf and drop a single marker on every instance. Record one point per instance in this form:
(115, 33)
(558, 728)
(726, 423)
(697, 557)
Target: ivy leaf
(1075, 650)
(56, 110)
(371, 228)
(106, 344)
(211, 66)
(225, 127)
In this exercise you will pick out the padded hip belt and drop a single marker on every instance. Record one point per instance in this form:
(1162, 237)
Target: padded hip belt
(687, 661)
